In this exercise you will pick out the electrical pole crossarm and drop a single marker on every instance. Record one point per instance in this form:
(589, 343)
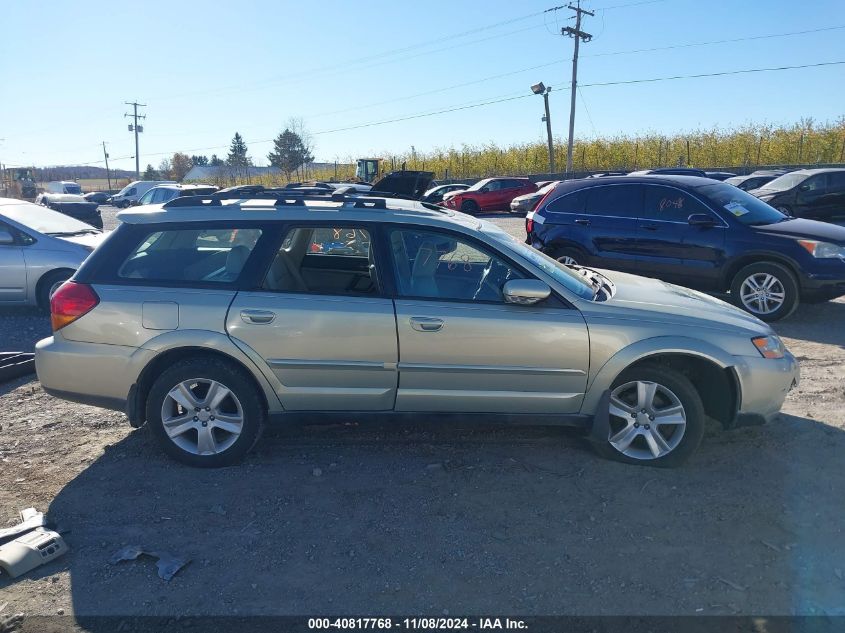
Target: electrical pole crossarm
(578, 35)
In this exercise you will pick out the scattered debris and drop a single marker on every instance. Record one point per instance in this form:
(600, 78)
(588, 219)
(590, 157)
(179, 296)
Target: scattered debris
(30, 519)
(11, 623)
(317, 472)
(168, 565)
(730, 584)
(771, 546)
(31, 550)
(645, 485)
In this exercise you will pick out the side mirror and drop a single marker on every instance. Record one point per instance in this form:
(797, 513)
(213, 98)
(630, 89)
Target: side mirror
(525, 292)
(804, 188)
(701, 219)
(6, 238)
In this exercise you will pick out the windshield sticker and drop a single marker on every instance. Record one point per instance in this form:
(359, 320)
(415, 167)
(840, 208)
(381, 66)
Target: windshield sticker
(736, 208)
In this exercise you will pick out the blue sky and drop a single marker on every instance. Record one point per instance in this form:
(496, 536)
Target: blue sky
(207, 69)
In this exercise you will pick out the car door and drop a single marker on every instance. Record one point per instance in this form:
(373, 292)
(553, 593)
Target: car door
(12, 265)
(608, 227)
(490, 194)
(462, 348)
(321, 322)
(670, 248)
(811, 198)
(835, 196)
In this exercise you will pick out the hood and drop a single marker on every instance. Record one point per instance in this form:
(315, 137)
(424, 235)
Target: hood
(800, 228)
(88, 240)
(670, 303)
(526, 197)
(762, 191)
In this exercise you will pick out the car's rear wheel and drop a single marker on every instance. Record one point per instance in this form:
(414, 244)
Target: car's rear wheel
(767, 290)
(48, 285)
(655, 418)
(470, 206)
(205, 412)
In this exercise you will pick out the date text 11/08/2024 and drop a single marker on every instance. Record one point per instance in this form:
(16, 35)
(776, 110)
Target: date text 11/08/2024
(422, 623)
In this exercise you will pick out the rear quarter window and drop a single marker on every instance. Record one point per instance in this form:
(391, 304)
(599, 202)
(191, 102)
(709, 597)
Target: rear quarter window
(209, 256)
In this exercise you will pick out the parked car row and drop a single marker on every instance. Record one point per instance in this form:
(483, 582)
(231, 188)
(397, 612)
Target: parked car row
(205, 323)
(696, 232)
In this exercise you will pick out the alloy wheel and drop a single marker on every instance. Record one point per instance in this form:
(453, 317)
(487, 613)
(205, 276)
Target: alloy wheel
(762, 293)
(566, 260)
(202, 416)
(647, 420)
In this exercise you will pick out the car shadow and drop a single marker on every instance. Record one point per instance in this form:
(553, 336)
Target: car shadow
(816, 322)
(416, 519)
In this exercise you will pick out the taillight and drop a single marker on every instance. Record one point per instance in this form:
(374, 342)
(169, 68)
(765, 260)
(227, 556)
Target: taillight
(529, 224)
(70, 302)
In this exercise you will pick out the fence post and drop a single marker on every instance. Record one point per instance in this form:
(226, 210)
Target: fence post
(689, 161)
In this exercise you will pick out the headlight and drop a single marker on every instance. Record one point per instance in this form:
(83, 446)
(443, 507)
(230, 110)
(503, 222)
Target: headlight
(823, 250)
(769, 346)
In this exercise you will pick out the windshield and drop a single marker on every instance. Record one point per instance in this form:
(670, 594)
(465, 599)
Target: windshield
(479, 184)
(44, 220)
(562, 274)
(746, 208)
(73, 189)
(787, 181)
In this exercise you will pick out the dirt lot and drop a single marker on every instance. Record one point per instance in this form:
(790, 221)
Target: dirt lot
(430, 519)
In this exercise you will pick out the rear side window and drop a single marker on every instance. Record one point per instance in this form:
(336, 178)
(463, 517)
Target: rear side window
(190, 255)
(836, 181)
(570, 203)
(671, 205)
(622, 201)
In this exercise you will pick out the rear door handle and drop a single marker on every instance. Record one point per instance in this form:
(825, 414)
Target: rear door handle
(582, 221)
(257, 316)
(426, 324)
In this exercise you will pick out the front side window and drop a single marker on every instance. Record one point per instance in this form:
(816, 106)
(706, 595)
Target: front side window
(324, 260)
(621, 201)
(147, 198)
(670, 205)
(444, 266)
(191, 255)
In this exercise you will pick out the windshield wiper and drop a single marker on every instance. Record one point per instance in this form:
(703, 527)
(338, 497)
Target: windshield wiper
(72, 233)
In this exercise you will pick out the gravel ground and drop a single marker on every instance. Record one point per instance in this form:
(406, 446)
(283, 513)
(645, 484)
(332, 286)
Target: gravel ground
(434, 519)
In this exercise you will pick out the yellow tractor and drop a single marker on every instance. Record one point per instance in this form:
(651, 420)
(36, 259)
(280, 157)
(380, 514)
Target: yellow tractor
(367, 169)
(18, 183)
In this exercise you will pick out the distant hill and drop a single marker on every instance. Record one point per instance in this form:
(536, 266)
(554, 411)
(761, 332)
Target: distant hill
(78, 172)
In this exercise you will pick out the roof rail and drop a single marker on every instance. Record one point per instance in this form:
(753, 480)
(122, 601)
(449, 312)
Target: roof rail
(283, 198)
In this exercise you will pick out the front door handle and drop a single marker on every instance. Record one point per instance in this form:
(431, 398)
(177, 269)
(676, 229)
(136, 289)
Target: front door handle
(582, 221)
(649, 227)
(426, 324)
(257, 316)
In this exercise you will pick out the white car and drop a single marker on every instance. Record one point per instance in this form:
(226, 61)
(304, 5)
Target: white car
(132, 192)
(39, 250)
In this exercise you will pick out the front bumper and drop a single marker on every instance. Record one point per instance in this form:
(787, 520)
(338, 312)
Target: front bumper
(764, 384)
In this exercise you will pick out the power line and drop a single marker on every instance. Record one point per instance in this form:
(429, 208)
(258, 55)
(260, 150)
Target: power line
(700, 75)
(712, 42)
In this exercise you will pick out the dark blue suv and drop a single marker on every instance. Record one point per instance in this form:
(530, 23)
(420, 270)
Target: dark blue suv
(693, 232)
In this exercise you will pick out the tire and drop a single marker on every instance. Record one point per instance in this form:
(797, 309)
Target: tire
(784, 288)
(679, 440)
(48, 284)
(785, 210)
(470, 206)
(243, 406)
(570, 255)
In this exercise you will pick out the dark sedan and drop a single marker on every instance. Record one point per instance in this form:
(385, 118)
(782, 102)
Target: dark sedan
(97, 197)
(806, 193)
(74, 206)
(754, 180)
(435, 194)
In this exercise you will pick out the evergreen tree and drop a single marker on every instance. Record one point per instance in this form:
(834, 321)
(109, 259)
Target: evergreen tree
(238, 153)
(289, 152)
(215, 161)
(199, 161)
(150, 173)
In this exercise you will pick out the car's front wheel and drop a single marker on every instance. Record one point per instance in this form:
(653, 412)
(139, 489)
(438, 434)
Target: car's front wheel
(655, 418)
(470, 206)
(205, 412)
(570, 256)
(767, 290)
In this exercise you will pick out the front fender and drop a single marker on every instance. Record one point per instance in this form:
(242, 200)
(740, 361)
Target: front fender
(602, 380)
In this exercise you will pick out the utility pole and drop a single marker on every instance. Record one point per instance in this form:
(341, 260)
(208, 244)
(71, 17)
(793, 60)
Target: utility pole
(106, 156)
(578, 35)
(137, 128)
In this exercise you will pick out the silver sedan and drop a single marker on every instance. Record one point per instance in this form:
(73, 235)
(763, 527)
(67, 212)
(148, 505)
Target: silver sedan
(39, 250)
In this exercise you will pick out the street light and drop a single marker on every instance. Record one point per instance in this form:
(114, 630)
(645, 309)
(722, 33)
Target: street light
(542, 89)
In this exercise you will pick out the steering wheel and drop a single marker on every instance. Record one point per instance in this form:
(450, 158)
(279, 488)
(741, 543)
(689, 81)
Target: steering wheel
(489, 285)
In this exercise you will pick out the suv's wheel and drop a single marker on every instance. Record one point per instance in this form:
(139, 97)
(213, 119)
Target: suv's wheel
(767, 290)
(656, 418)
(570, 256)
(48, 284)
(785, 210)
(205, 412)
(469, 206)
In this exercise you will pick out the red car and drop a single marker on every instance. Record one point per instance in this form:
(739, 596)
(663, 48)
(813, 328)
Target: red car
(488, 194)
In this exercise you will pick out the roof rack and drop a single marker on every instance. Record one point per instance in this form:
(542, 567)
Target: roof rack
(281, 199)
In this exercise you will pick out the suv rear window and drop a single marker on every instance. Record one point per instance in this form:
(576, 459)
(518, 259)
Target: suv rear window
(198, 255)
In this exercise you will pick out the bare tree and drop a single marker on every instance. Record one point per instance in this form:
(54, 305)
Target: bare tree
(297, 126)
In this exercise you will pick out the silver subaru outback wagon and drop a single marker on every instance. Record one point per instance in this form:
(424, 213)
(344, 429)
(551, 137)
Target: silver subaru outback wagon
(206, 318)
